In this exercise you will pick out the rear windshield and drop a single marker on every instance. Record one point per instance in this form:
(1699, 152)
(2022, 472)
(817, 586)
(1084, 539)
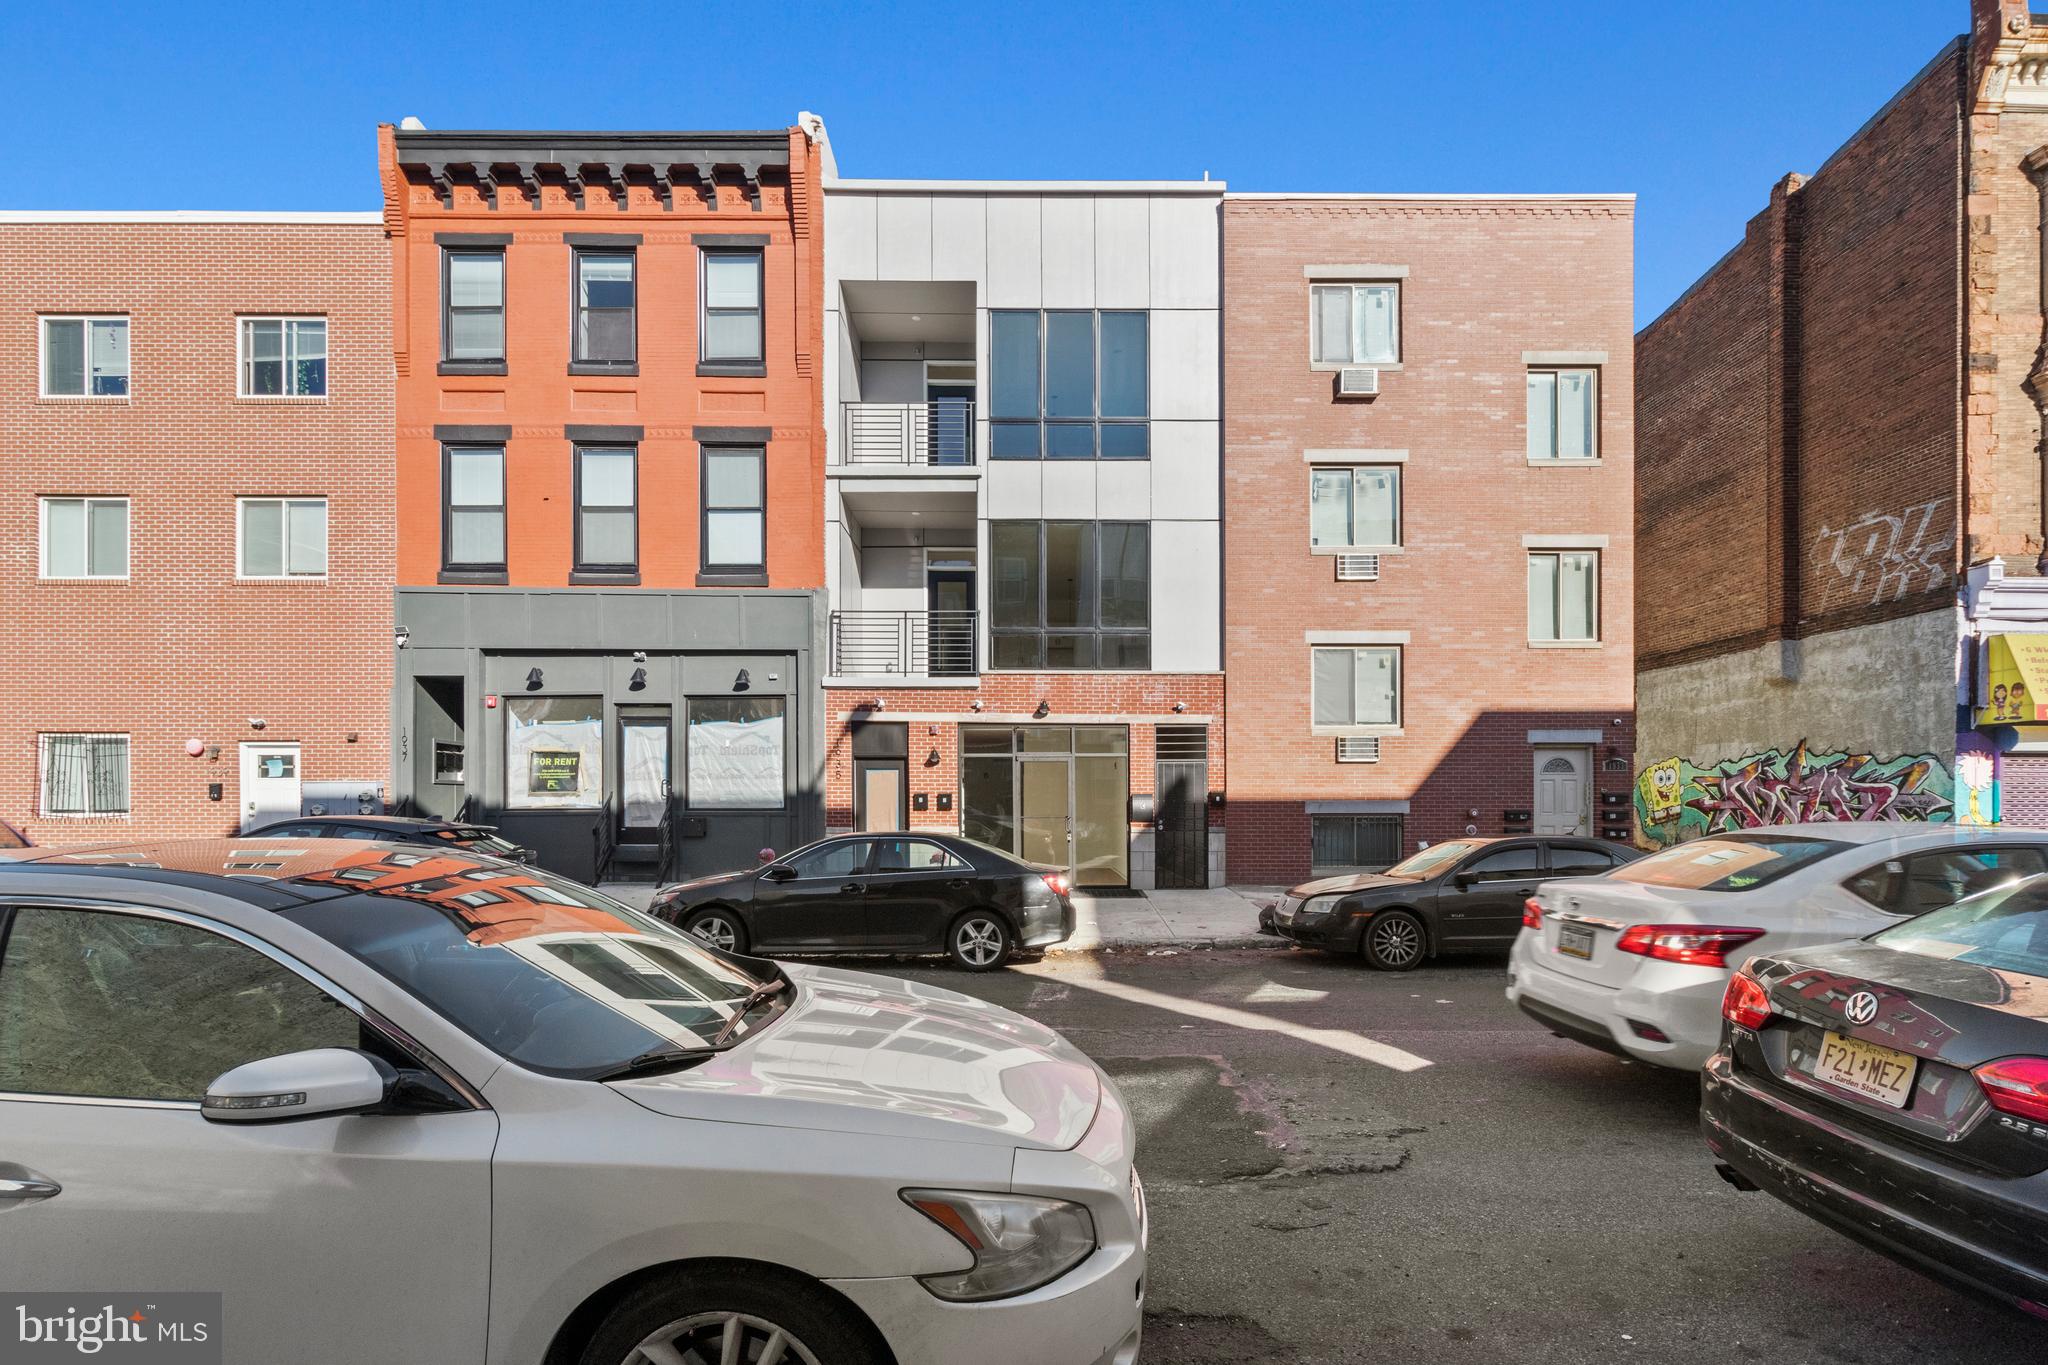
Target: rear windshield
(2006, 929)
(1731, 862)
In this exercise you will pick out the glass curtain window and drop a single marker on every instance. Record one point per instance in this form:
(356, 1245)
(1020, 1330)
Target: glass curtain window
(85, 537)
(604, 307)
(607, 515)
(554, 752)
(1356, 324)
(732, 306)
(1356, 686)
(85, 357)
(283, 538)
(85, 774)
(735, 511)
(1563, 414)
(284, 357)
(734, 753)
(475, 325)
(476, 509)
(1358, 506)
(1071, 595)
(1564, 592)
(1069, 384)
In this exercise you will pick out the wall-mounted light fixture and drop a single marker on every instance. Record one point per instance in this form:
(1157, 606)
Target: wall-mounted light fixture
(742, 682)
(1180, 708)
(974, 705)
(257, 722)
(875, 705)
(639, 656)
(1043, 710)
(638, 680)
(533, 679)
(401, 636)
(931, 760)
(213, 753)
(351, 737)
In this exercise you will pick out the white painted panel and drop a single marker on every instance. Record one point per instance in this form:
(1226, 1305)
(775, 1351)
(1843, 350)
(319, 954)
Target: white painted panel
(892, 381)
(1123, 490)
(960, 238)
(1013, 489)
(1069, 490)
(892, 578)
(850, 236)
(1184, 360)
(1123, 252)
(1067, 257)
(1186, 597)
(1186, 260)
(903, 237)
(1185, 461)
(1013, 251)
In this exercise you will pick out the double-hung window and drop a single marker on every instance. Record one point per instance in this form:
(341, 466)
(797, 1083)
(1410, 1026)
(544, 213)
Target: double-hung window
(473, 304)
(1355, 324)
(1564, 596)
(1564, 414)
(282, 358)
(1072, 594)
(606, 305)
(1354, 507)
(85, 774)
(84, 357)
(735, 534)
(1069, 385)
(607, 510)
(281, 537)
(729, 320)
(1354, 687)
(473, 529)
(85, 537)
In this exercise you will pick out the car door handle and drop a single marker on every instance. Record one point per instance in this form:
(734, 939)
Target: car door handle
(852, 889)
(20, 1183)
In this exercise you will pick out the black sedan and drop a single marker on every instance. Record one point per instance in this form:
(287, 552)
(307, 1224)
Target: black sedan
(1896, 1089)
(1463, 893)
(880, 893)
(396, 829)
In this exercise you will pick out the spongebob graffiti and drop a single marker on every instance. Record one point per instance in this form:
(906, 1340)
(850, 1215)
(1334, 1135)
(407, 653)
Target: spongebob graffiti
(1677, 799)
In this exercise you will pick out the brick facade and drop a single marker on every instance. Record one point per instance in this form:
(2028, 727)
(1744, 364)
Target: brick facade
(180, 649)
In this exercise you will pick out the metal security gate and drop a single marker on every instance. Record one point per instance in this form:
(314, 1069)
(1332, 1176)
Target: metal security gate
(1181, 765)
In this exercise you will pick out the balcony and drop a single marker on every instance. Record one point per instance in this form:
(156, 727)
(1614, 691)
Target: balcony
(908, 437)
(895, 644)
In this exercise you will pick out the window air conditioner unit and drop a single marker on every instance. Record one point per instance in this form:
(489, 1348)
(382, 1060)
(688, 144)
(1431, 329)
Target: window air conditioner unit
(1358, 568)
(1358, 749)
(1358, 381)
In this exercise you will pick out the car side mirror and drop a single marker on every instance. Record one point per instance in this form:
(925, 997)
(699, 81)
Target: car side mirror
(299, 1085)
(777, 872)
(1465, 878)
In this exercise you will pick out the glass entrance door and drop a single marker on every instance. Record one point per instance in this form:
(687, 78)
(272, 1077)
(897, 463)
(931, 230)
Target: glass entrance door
(1045, 824)
(644, 764)
(1051, 794)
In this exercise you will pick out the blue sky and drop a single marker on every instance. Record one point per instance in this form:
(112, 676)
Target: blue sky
(1697, 109)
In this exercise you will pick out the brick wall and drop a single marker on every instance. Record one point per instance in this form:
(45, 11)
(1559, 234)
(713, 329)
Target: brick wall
(180, 650)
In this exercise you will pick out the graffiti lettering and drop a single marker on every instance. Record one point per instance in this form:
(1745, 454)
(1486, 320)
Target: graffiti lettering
(1676, 799)
(1883, 557)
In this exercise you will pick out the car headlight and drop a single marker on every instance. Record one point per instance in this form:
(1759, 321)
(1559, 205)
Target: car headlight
(1316, 906)
(1018, 1242)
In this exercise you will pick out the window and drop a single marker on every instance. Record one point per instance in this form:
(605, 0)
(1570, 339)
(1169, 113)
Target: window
(85, 537)
(847, 858)
(283, 358)
(730, 324)
(1355, 507)
(117, 1006)
(1922, 882)
(281, 537)
(85, 774)
(1726, 862)
(735, 511)
(1069, 385)
(1573, 860)
(604, 308)
(607, 515)
(2007, 932)
(1348, 841)
(733, 753)
(473, 538)
(1564, 408)
(448, 759)
(85, 358)
(914, 855)
(554, 752)
(473, 295)
(1507, 864)
(1355, 324)
(1564, 595)
(1354, 687)
(1072, 594)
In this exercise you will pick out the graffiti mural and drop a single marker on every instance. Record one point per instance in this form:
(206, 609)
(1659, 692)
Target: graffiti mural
(1886, 556)
(1677, 799)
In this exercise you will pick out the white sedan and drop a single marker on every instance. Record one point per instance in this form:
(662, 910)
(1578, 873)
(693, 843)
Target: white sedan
(1635, 962)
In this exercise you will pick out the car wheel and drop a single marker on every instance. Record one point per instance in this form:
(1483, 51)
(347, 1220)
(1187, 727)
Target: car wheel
(726, 1316)
(979, 941)
(1394, 941)
(719, 928)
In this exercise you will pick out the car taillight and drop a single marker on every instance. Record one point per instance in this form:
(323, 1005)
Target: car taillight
(1057, 881)
(1746, 1002)
(2016, 1085)
(1696, 945)
(1532, 914)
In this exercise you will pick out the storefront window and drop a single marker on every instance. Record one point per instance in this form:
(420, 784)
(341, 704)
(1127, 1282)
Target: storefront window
(1051, 794)
(554, 752)
(734, 753)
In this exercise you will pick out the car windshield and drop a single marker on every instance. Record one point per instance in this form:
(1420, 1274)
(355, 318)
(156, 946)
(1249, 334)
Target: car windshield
(1430, 861)
(2005, 929)
(553, 975)
(1729, 862)
(478, 841)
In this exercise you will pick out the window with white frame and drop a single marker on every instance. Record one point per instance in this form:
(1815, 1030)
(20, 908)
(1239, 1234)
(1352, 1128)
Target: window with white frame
(283, 358)
(1564, 595)
(281, 537)
(1355, 324)
(84, 774)
(85, 537)
(1354, 507)
(1356, 686)
(1564, 414)
(84, 357)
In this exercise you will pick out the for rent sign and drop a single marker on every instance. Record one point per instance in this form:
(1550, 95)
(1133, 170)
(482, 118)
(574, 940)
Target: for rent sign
(555, 772)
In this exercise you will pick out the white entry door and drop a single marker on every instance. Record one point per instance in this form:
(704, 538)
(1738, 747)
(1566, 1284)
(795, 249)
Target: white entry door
(1563, 793)
(270, 783)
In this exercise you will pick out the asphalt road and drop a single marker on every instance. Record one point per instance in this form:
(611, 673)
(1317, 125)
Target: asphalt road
(1521, 1198)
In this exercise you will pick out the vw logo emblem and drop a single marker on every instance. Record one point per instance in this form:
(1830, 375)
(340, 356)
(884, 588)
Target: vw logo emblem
(1860, 1008)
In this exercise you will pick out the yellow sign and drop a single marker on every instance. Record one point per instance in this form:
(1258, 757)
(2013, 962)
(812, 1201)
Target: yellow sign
(2016, 681)
(556, 771)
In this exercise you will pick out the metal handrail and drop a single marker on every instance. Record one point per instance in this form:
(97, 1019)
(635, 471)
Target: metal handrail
(939, 433)
(607, 837)
(906, 643)
(665, 839)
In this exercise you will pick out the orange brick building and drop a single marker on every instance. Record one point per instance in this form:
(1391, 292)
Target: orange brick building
(197, 512)
(610, 482)
(1428, 472)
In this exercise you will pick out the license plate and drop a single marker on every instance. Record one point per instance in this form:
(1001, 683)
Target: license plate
(1879, 1073)
(1575, 940)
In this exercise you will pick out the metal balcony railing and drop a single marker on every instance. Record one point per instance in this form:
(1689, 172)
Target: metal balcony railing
(937, 433)
(936, 644)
